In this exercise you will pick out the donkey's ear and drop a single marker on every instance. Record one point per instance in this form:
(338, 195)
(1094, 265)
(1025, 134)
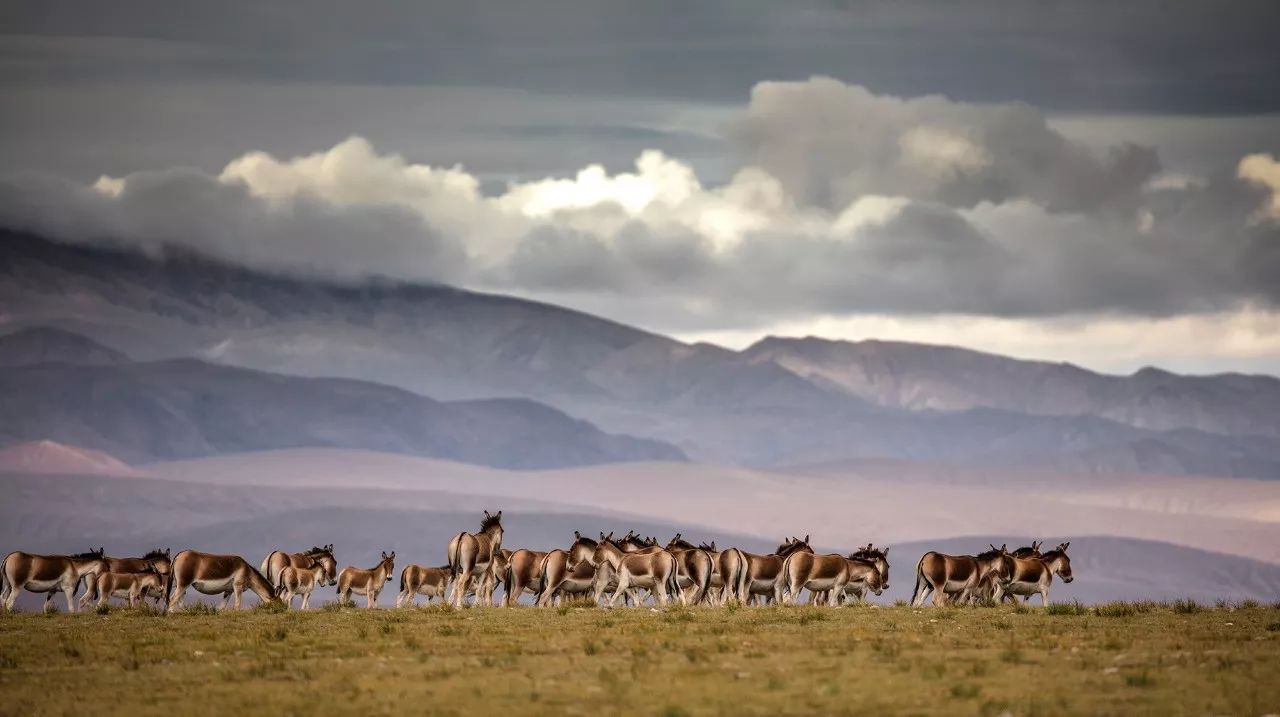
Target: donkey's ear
(885, 551)
(1004, 547)
(577, 535)
(806, 537)
(678, 536)
(993, 546)
(713, 545)
(499, 515)
(1065, 546)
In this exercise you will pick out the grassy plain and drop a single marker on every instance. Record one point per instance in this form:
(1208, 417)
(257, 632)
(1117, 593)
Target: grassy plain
(1119, 659)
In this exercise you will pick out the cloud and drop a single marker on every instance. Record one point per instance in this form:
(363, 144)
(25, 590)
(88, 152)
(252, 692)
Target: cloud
(847, 203)
(1263, 170)
(829, 143)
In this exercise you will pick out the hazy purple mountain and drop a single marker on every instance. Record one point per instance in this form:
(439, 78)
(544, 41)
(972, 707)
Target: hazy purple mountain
(945, 378)
(185, 408)
(780, 402)
(41, 344)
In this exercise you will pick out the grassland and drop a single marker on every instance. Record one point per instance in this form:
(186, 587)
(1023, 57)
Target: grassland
(1117, 659)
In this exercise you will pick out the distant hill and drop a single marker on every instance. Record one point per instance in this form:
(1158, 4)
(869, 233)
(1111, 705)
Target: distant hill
(780, 402)
(50, 457)
(187, 408)
(42, 344)
(946, 378)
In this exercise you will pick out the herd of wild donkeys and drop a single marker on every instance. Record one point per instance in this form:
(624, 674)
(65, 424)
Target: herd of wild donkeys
(608, 568)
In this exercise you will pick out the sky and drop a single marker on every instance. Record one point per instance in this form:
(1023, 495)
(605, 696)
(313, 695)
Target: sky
(1093, 182)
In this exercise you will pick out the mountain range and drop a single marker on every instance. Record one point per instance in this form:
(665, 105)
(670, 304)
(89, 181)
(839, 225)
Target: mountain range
(161, 326)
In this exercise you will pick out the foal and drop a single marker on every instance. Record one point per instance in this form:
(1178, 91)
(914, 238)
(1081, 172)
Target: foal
(370, 582)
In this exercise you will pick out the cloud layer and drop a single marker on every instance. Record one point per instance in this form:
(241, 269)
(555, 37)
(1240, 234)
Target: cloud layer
(846, 202)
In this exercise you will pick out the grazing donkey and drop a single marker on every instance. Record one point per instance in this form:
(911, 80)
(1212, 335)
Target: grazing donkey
(370, 582)
(959, 577)
(299, 581)
(418, 580)
(157, 561)
(226, 575)
(48, 574)
(879, 559)
(1032, 576)
(278, 560)
(472, 554)
(130, 586)
(695, 569)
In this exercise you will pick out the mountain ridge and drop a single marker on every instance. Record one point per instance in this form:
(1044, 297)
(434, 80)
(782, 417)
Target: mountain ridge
(770, 404)
(189, 408)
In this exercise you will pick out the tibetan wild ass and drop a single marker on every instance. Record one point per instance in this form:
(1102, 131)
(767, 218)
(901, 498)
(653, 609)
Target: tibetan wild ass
(654, 570)
(762, 573)
(878, 558)
(731, 566)
(988, 589)
(471, 554)
(694, 568)
(958, 577)
(278, 560)
(605, 580)
(369, 582)
(1032, 576)
(299, 581)
(48, 574)
(158, 561)
(559, 580)
(130, 586)
(225, 575)
(554, 570)
(523, 573)
(418, 580)
(815, 573)
(715, 589)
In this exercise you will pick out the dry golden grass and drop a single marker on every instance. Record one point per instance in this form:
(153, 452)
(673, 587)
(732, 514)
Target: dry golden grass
(1119, 659)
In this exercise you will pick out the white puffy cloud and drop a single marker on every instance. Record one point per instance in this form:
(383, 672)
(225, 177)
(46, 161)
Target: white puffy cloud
(1263, 170)
(850, 203)
(830, 142)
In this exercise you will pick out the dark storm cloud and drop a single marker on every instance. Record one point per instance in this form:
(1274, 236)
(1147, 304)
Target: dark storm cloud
(1145, 55)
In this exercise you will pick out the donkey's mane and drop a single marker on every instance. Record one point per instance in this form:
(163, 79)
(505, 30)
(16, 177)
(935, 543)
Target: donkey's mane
(987, 555)
(316, 552)
(157, 553)
(490, 521)
(92, 554)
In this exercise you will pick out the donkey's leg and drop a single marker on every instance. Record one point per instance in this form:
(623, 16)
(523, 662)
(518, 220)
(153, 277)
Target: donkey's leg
(624, 583)
(460, 587)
